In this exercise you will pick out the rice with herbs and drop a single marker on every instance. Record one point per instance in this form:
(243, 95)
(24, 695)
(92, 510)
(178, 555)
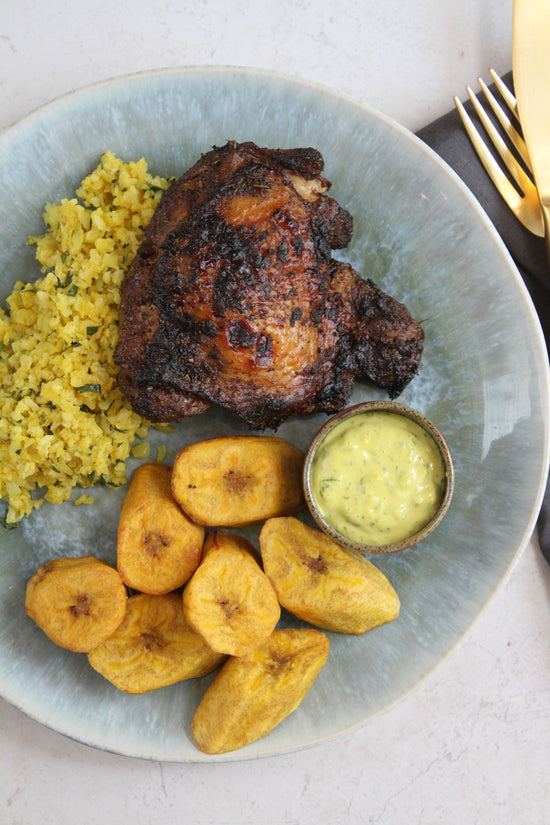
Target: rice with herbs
(64, 422)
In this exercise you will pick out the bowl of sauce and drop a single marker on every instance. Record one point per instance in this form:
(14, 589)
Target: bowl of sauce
(378, 477)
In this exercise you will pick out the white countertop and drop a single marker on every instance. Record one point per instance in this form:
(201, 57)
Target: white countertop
(471, 745)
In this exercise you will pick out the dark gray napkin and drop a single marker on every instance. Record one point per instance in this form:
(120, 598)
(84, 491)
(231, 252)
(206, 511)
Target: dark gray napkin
(448, 138)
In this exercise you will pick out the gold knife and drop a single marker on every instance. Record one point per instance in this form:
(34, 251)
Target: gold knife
(531, 74)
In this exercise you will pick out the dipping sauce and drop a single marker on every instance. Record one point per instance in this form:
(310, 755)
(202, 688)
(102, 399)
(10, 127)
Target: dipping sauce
(378, 477)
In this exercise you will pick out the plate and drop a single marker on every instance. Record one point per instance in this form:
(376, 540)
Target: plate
(423, 238)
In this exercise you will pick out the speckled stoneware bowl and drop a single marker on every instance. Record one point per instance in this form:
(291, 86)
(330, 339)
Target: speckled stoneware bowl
(364, 409)
(421, 236)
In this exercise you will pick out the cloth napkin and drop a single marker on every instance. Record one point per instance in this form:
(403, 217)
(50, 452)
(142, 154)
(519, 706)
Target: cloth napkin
(448, 138)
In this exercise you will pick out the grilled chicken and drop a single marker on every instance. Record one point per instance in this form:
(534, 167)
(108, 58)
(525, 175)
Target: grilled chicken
(234, 299)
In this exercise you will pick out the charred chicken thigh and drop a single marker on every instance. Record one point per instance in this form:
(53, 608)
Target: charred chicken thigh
(234, 299)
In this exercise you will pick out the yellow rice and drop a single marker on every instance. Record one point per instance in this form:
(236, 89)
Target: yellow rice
(64, 422)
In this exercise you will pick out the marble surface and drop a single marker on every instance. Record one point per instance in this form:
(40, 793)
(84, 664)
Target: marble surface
(470, 745)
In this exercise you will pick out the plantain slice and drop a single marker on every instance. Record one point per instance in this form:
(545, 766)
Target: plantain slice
(321, 582)
(77, 602)
(158, 546)
(252, 694)
(153, 647)
(234, 481)
(229, 599)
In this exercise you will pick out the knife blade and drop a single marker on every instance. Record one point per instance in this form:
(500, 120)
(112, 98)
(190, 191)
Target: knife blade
(531, 74)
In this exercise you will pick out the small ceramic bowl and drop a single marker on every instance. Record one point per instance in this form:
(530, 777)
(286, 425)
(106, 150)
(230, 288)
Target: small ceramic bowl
(436, 442)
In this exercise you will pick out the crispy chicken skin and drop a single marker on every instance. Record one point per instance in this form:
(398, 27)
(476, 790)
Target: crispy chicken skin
(234, 299)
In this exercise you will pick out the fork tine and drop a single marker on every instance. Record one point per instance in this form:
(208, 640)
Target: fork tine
(503, 118)
(511, 163)
(505, 92)
(492, 168)
(526, 208)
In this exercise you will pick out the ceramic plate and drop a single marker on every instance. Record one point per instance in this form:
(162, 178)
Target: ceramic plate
(422, 237)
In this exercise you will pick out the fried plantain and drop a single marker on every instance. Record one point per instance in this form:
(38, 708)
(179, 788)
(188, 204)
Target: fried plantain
(321, 582)
(77, 602)
(234, 481)
(158, 546)
(229, 600)
(252, 694)
(153, 647)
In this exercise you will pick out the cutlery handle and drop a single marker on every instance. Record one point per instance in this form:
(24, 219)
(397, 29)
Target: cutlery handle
(546, 218)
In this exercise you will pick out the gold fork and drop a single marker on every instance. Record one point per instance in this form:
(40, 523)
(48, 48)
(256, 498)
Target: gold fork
(523, 200)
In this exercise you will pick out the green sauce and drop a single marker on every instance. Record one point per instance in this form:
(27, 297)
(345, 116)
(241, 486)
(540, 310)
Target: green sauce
(378, 478)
